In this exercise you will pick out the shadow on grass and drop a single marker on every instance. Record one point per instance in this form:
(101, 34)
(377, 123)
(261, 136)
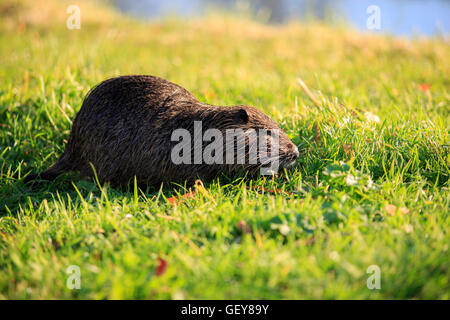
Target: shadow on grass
(16, 195)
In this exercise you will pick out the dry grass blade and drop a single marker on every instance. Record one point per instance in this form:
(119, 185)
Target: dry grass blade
(309, 94)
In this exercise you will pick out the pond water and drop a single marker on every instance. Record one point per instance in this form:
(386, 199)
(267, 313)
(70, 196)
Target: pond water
(398, 17)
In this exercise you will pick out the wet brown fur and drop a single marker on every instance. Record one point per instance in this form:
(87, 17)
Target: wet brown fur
(124, 128)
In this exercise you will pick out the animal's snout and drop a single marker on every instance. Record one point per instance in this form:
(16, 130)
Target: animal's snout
(293, 151)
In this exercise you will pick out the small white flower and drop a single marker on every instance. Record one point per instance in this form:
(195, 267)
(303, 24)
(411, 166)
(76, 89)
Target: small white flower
(351, 180)
(370, 183)
(333, 255)
(128, 216)
(284, 229)
(408, 228)
(371, 117)
(345, 120)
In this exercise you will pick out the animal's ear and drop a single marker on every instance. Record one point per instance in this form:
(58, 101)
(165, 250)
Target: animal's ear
(240, 115)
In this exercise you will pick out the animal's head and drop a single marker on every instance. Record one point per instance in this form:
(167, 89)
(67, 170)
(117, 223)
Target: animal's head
(256, 135)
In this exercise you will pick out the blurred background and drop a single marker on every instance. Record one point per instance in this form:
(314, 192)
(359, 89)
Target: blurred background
(398, 17)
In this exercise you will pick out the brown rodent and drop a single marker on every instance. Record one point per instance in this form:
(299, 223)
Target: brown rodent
(124, 130)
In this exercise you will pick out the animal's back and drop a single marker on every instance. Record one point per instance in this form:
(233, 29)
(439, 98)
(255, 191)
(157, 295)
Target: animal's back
(117, 118)
(129, 95)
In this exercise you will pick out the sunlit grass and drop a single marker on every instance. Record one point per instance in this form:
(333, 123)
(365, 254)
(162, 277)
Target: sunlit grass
(315, 238)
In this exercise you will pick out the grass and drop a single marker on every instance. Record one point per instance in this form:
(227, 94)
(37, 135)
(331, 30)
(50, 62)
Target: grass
(362, 192)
